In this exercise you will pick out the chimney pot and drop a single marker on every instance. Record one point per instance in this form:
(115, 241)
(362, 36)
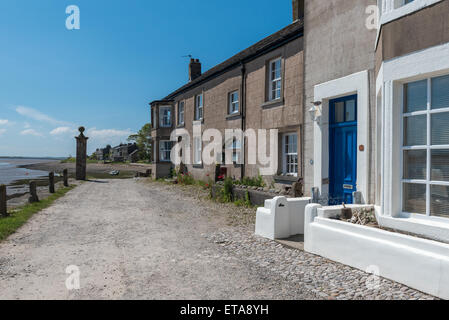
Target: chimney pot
(194, 69)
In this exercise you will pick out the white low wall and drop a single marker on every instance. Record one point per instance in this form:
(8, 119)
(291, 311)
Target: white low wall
(418, 263)
(281, 218)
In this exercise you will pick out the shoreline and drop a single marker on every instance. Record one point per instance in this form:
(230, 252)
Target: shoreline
(94, 171)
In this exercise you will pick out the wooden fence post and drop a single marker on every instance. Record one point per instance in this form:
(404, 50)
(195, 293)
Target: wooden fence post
(33, 193)
(65, 173)
(51, 178)
(3, 201)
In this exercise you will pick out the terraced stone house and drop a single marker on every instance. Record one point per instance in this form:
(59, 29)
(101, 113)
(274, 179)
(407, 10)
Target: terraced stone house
(258, 88)
(362, 107)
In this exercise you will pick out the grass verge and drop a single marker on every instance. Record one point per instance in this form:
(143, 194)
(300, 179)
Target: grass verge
(20, 215)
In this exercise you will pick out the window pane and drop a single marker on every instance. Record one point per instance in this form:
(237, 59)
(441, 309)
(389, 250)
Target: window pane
(339, 112)
(414, 198)
(440, 165)
(415, 164)
(440, 128)
(416, 96)
(415, 130)
(439, 201)
(350, 110)
(440, 92)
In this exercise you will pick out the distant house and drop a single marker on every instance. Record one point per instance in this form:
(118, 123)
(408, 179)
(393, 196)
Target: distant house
(134, 156)
(124, 152)
(103, 153)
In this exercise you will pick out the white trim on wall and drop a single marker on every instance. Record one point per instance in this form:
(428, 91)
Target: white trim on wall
(390, 12)
(357, 83)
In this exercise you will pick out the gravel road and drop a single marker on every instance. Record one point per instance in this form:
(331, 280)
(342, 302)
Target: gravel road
(137, 239)
(131, 239)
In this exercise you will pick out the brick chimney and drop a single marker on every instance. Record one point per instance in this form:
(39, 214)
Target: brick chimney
(194, 69)
(298, 9)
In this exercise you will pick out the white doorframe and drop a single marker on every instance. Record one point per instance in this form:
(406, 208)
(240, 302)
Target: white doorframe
(357, 83)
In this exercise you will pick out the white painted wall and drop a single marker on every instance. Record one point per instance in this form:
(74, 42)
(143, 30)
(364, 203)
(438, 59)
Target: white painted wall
(418, 263)
(281, 218)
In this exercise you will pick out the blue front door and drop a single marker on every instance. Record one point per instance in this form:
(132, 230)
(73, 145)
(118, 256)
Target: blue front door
(342, 149)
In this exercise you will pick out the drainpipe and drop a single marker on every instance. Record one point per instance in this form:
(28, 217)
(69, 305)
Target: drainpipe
(243, 106)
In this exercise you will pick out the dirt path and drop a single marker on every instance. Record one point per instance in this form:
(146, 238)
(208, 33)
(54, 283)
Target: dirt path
(130, 240)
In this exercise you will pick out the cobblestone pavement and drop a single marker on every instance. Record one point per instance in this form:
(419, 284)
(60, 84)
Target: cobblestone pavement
(324, 278)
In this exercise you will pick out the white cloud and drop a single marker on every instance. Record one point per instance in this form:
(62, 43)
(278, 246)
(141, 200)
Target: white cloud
(2, 131)
(102, 137)
(62, 130)
(36, 115)
(108, 133)
(31, 132)
(3, 122)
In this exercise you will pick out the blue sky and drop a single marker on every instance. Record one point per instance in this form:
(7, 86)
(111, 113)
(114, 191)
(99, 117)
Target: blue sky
(126, 54)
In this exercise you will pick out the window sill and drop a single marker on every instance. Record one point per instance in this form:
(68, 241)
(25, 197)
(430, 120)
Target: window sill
(273, 104)
(428, 227)
(181, 125)
(285, 179)
(234, 116)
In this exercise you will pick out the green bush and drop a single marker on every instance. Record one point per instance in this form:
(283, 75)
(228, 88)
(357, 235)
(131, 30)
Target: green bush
(185, 179)
(251, 182)
(244, 202)
(227, 190)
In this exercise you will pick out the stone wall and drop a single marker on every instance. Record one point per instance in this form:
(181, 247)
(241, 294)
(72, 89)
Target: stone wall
(257, 196)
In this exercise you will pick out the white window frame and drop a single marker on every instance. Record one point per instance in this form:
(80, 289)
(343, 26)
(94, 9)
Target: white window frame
(394, 9)
(234, 106)
(285, 169)
(235, 145)
(163, 118)
(272, 80)
(181, 119)
(163, 150)
(197, 151)
(199, 107)
(428, 112)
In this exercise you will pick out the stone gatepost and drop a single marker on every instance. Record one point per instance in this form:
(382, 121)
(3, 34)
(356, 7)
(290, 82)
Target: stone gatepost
(33, 193)
(3, 201)
(65, 174)
(51, 182)
(81, 155)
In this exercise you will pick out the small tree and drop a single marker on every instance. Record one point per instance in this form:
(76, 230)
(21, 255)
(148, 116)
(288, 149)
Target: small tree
(142, 140)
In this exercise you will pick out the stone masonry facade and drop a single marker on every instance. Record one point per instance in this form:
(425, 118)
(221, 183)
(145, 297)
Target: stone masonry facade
(247, 73)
